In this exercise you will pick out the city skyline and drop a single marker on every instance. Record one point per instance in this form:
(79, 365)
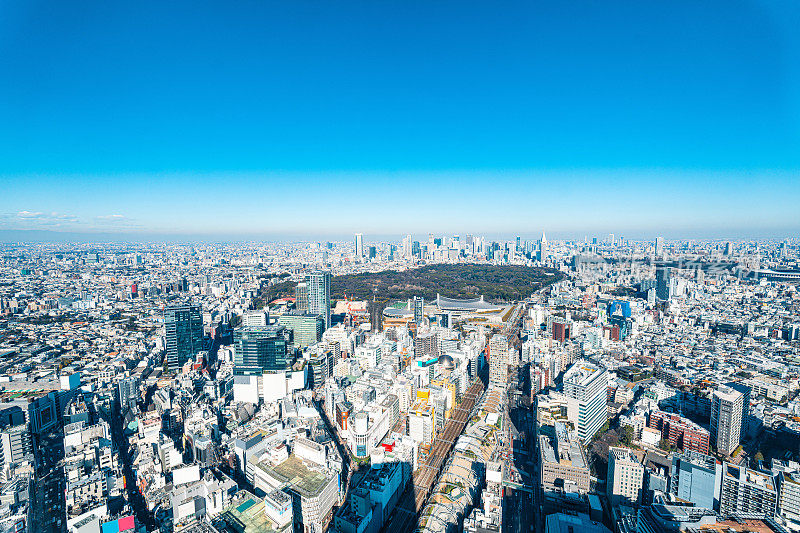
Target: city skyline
(449, 117)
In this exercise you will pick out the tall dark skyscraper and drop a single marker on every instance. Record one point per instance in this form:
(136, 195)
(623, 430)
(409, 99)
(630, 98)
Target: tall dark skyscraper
(184, 328)
(663, 283)
(259, 349)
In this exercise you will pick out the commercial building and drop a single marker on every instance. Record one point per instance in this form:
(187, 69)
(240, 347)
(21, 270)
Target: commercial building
(319, 295)
(587, 383)
(573, 523)
(695, 478)
(663, 283)
(307, 327)
(625, 477)
(563, 463)
(184, 333)
(259, 349)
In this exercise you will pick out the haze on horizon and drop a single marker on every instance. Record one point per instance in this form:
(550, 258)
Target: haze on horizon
(310, 119)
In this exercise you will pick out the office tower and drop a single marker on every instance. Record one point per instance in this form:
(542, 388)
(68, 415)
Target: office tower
(319, 295)
(407, 247)
(300, 298)
(625, 477)
(498, 360)
(372, 253)
(587, 383)
(663, 283)
(416, 250)
(746, 491)
(307, 328)
(518, 244)
(693, 478)
(659, 246)
(259, 349)
(728, 249)
(611, 240)
(419, 305)
(184, 333)
(726, 419)
(359, 245)
(542, 249)
(256, 318)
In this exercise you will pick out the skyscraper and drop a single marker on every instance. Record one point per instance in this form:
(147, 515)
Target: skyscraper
(359, 245)
(498, 360)
(184, 333)
(407, 247)
(663, 282)
(259, 349)
(301, 297)
(659, 246)
(542, 249)
(319, 295)
(726, 419)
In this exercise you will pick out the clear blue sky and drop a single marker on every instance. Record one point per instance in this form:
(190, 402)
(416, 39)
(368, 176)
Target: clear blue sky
(332, 117)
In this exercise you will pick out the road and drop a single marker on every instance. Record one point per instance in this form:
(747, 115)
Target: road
(135, 498)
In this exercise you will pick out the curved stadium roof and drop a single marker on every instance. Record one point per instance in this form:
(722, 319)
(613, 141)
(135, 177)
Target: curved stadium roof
(472, 304)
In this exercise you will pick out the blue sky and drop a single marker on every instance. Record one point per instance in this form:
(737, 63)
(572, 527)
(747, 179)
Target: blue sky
(393, 117)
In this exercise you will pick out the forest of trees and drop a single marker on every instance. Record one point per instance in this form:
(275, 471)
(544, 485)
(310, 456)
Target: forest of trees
(496, 283)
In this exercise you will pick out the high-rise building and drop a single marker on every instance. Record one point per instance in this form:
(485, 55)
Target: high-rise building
(359, 245)
(498, 360)
(259, 349)
(659, 246)
(419, 306)
(746, 392)
(407, 250)
(663, 283)
(587, 383)
(542, 249)
(729, 249)
(693, 478)
(726, 419)
(306, 327)
(184, 333)
(625, 477)
(301, 297)
(319, 295)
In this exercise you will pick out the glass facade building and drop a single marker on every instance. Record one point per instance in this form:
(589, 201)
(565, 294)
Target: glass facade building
(184, 334)
(259, 349)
